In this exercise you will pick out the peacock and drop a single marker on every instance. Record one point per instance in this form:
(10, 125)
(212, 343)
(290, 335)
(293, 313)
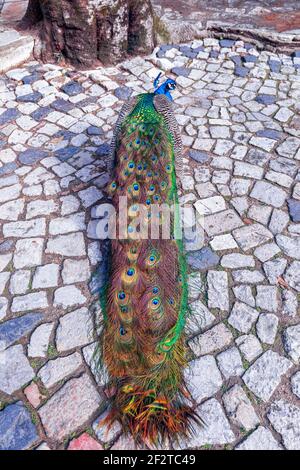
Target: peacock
(143, 343)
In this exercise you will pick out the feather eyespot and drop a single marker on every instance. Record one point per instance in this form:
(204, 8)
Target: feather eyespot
(131, 165)
(122, 331)
(122, 298)
(129, 276)
(153, 259)
(132, 255)
(136, 144)
(155, 304)
(151, 189)
(132, 211)
(163, 185)
(135, 189)
(148, 202)
(121, 295)
(157, 198)
(168, 168)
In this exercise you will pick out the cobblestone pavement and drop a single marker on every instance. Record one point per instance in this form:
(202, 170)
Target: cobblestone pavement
(239, 114)
(274, 15)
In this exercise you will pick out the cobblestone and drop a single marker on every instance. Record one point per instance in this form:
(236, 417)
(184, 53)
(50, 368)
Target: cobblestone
(264, 376)
(237, 109)
(14, 359)
(204, 378)
(239, 408)
(70, 407)
(58, 369)
(242, 317)
(285, 418)
(291, 339)
(260, 439)
(18, 431)
(230, 363)
(75, 329)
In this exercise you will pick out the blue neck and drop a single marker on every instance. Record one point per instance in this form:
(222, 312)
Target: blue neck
(164, 90)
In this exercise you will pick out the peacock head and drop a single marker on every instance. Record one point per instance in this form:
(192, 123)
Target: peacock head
(165, 88)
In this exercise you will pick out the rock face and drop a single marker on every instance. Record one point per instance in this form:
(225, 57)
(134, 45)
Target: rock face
(83, 31)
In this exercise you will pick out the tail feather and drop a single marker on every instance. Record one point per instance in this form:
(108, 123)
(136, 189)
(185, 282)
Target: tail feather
(144, 346)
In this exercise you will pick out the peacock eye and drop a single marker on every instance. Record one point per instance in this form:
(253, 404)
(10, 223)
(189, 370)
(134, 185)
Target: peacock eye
(122, 331)
(130, 272)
